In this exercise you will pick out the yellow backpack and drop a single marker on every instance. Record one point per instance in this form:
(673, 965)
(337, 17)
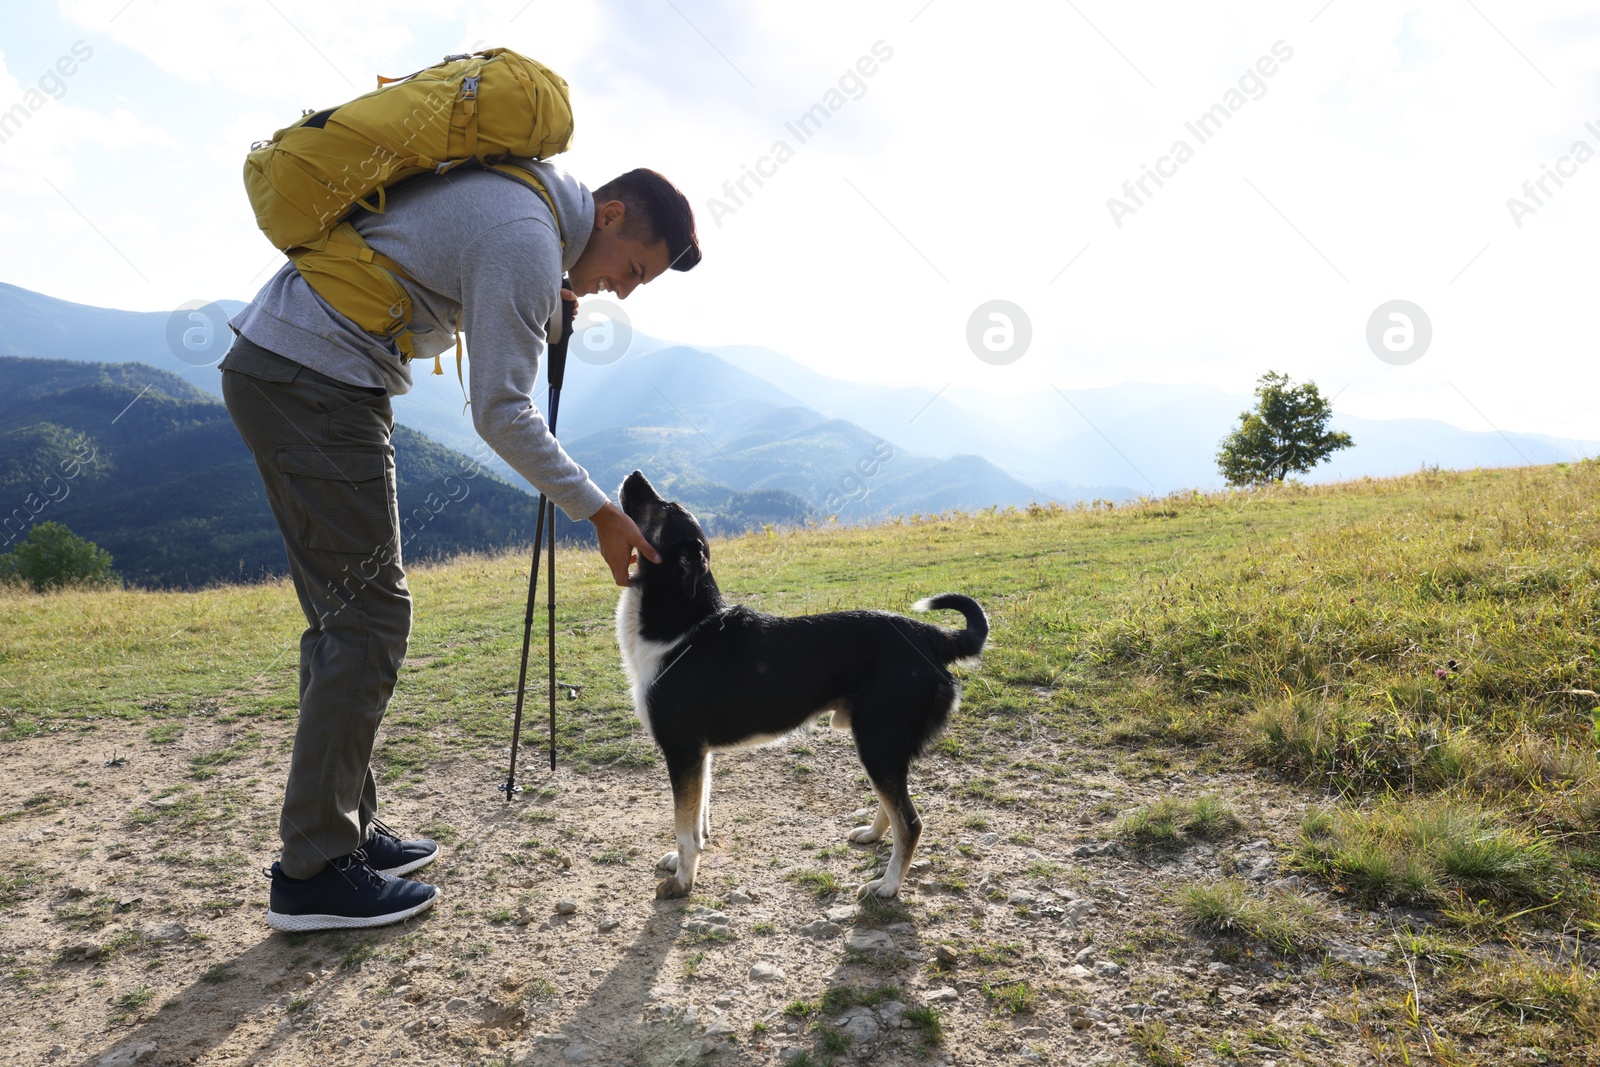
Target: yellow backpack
(468, 109)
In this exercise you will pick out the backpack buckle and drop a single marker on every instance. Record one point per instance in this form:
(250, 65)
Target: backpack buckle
(469, 88)
(452, 59)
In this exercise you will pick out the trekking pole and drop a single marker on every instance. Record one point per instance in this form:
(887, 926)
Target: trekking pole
(555, 371)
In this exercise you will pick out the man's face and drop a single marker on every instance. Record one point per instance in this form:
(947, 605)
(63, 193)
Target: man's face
(614, 263)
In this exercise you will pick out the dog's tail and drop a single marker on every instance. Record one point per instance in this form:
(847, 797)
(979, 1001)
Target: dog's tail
(961, 644)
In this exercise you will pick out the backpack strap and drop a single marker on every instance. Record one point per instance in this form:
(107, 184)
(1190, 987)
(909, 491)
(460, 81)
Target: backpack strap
(528, 178)
(337, 279)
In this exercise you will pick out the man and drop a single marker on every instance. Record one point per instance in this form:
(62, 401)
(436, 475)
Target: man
(309, 392)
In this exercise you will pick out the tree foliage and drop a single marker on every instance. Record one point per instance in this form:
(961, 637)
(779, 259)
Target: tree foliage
(1286, 434)
(52, 556)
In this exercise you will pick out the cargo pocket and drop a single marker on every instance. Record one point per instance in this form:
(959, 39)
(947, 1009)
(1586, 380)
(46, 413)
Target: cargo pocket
(342, 499)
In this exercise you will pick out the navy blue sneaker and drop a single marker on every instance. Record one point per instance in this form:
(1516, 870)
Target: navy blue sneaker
(390, 855)
(347, 893)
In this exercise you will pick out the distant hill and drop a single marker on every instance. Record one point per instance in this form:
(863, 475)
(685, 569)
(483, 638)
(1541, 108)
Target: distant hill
(743, 419)
(173, 494)
(43, 327)
(745, 452)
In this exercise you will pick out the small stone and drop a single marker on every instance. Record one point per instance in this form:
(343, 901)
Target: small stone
(76, 891)
(1107, 969)
(892, 1012)
(609, 923)
(860, 1027)
(1080, 972)
(1020, 898)
(1355, 954)
(763, 972)
(841, 915)
(737, 898)
(567, 907)
(413, 1026)
(868, 941)
(1081, 909)
(1085, 955)
(309, 978)
(457, 1004)
(1219, 968)
(941, 996)
(1081, 1022)
(819, 929)
(128, 1055)
(789, 1055)
(946, 956)
(577, 1054)
(720, 1027)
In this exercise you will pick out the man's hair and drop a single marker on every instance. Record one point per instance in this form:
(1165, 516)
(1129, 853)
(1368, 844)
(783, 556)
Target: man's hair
(657, 211)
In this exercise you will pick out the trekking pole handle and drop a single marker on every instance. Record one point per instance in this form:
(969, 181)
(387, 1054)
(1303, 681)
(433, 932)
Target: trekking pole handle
(558, 351)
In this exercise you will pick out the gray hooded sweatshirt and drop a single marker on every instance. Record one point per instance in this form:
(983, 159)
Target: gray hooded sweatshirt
(482, 245)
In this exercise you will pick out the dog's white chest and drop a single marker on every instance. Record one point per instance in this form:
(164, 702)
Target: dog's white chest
(642, 658)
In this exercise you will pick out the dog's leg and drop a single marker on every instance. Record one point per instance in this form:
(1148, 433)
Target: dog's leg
(705, 806)
(688, 782)
(907, 831)
(865, 835)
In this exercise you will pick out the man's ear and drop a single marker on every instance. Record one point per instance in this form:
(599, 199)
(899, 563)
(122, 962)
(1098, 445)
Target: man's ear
(695, 565)
(610, 214)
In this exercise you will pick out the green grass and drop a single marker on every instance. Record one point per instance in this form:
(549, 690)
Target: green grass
(928, 1022)
(839, 998)
(1434, 850)
(822, 883)
(1230, 908)
(1015, 996)
(1156, 1043)
(1170, 822)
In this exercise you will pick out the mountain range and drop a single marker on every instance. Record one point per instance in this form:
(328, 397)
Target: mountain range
(745, 435)
(151, 469)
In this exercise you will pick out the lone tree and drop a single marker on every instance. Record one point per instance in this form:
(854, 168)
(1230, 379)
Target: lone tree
(52, 556)
(1286, 434)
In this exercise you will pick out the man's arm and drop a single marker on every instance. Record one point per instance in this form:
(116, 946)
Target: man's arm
(509, 281)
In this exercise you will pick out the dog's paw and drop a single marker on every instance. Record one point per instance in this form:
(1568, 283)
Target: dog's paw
(878, 887)
(669, 888)
(865, 835)
(668, 862)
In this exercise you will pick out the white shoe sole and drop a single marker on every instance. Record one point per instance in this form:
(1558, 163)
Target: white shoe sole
(303, 923)
(407, 868)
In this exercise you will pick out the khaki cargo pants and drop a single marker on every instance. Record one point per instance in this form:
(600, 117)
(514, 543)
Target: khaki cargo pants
(324, 454)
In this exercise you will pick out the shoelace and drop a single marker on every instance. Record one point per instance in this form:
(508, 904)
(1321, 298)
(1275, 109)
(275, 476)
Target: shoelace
(357, 865)
(381, 827)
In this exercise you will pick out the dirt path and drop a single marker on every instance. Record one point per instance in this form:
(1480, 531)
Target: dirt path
(132, 922)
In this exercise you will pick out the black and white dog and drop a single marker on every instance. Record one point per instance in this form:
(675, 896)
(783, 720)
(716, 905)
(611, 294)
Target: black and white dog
(708, 676)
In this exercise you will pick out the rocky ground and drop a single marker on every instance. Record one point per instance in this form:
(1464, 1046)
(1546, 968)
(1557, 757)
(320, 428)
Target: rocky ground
(132, 925)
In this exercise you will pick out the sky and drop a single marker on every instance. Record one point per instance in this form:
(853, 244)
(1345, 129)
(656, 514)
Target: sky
(1358, 153)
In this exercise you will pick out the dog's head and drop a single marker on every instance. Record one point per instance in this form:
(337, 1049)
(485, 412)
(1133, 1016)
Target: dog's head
(674, 531)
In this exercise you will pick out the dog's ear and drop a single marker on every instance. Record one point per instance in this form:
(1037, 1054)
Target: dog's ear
(695, 563)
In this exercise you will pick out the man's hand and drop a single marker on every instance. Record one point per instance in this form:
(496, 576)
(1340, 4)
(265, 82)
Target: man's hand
(619, 537)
